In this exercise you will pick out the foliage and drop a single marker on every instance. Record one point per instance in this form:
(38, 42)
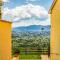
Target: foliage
(27, 41)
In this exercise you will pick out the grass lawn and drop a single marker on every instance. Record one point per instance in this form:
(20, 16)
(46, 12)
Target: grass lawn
(30, 57)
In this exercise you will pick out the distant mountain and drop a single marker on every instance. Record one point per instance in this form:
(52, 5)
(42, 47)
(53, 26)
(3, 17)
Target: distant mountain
(32, 28)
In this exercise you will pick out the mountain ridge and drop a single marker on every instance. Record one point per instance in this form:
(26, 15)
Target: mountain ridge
(32, 28)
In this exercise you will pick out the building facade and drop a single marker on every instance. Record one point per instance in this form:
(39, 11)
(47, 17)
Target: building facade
(55, 30)
(5, 40)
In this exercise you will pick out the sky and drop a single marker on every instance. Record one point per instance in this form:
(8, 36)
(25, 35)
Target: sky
(26, 12)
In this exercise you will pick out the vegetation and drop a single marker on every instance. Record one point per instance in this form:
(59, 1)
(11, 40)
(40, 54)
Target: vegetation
(30, 43)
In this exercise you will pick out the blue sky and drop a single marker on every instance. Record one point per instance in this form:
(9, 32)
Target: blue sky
(14, 3)
(27, 12)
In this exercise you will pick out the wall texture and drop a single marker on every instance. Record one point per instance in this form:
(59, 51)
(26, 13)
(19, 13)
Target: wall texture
(55, 32)
(5, 40)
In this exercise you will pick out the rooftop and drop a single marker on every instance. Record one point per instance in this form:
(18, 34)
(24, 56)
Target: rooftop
(52, 6)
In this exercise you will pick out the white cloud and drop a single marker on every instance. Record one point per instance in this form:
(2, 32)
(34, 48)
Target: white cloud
(31, 22)
(27, 15)
(5, 0)
(25, 11)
